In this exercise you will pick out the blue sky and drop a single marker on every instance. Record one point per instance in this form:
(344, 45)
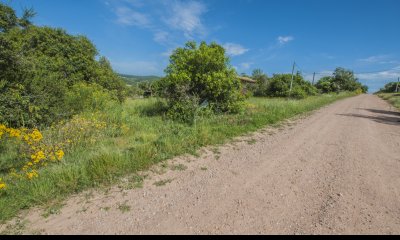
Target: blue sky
(320, 35)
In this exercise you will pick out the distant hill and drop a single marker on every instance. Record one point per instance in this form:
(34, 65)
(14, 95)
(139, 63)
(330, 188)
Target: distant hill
(132, 79)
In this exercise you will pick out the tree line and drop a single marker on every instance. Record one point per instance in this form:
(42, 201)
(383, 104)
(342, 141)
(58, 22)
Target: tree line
(48, 75)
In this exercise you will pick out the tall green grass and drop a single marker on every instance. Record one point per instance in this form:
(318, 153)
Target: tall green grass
(144, 137)
(393, 98)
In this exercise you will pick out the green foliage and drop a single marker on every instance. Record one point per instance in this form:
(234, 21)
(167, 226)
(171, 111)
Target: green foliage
(40, 65)
(327, 85)
(392, 98)
(261, 88)
(201, 74)
(87, 97)
(8, 19)
(279, 86)
(341, 80)
(389, 88)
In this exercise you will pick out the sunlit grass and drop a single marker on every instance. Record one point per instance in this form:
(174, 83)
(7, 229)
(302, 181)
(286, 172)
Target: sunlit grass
(393, 98)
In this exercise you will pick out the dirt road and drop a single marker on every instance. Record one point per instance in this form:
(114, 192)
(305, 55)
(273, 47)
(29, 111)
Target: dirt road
(334, 172)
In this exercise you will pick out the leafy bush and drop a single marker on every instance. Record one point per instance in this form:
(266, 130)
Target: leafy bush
(87, 97)
(279, 86)
(197, 75)
(342, 80)
(261, 88)
(40, 65)
(389, 88)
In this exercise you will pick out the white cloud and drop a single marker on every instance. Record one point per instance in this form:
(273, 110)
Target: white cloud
(187, 17)
(282, 40)
(162, 18)
(130, 17)
(392, 74)
(161, 36)
(379, 59)
(234, 49)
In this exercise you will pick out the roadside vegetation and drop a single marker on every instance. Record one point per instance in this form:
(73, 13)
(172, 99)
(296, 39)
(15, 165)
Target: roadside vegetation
(392, 98)
(388, 93)
(68, 122)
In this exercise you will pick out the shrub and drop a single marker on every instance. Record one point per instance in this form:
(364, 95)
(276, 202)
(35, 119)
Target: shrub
(389, 88)
(88, 97)
(342, 80)
(279, 86)
(197, 75)
(40, 65)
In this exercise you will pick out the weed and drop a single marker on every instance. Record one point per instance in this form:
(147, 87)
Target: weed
(179, 167)
(124, 207)
(106, 209)
(53, 209)
(163, 182)
(16, 228)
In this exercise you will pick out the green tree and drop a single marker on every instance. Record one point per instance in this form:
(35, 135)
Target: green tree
(8, 18)
(41, 65)
(389, 88)
(327, 85)
(341, 80)
(261, 88)
(198, 75)
(279, 86)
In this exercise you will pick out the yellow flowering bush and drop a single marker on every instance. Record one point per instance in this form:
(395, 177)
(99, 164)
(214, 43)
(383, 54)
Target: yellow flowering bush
(33, 150)
(77, 131)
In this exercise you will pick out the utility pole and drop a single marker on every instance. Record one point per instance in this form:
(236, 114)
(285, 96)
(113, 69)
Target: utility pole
(313, 79)
(291, 83)
(397, 86)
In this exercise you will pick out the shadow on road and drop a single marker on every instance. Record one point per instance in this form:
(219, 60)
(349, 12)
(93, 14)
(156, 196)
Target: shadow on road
(385, 117)
(381, 111)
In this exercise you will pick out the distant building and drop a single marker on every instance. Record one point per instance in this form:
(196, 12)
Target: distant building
(247, 80)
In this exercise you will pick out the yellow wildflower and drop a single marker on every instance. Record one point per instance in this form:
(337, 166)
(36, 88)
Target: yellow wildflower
(32, 174)
(15, 133)
(37, 157)
(60, 154)
(36, 135)
(2, 185)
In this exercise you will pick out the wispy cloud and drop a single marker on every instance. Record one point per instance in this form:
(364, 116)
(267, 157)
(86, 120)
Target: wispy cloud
(187, 17)
(391, 74)
(130, 17)
(162, 18)
(234, 49)
(161, 36)
(282, 40)
(379, 59)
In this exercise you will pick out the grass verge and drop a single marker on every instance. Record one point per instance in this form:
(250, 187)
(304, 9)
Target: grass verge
(392, 98)
(136, 137)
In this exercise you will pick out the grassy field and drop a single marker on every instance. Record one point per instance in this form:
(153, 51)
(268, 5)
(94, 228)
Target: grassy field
(124, 139)
(393, 98)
